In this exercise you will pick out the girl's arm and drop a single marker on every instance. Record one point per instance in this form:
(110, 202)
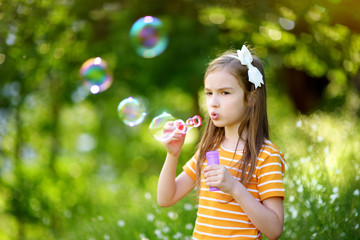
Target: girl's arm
(267, 217)
(171, 189)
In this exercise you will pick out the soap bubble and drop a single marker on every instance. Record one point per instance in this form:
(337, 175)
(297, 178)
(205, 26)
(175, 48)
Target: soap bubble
(95, 75)
(156, 127)
(131, 111)
(149, 37)
(164, 126)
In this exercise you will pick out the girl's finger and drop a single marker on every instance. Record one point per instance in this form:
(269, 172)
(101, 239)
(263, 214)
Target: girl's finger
(210, 174)
(211, 181)
(169, 127)
(212, 167)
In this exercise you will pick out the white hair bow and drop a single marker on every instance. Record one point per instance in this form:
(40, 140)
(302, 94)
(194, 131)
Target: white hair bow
(245, 58)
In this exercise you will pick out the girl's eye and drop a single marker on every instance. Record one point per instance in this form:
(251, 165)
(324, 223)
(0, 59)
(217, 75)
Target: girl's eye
(225, 93)
(208, 93)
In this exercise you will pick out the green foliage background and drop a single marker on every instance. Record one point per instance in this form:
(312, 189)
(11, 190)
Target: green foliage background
(70, 169)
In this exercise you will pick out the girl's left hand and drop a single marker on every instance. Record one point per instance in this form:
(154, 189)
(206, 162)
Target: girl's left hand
(218, 176)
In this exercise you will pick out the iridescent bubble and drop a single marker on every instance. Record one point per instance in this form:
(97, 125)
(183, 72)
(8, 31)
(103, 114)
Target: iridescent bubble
(157, 127)
(131, 111)
(96, 75)
(148, 37)
(164, 126)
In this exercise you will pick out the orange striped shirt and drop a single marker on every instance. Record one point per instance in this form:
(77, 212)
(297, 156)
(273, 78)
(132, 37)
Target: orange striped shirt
(217, 218)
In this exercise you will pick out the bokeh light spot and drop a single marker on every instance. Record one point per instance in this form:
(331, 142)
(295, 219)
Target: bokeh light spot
(2, 58)
(286, 24)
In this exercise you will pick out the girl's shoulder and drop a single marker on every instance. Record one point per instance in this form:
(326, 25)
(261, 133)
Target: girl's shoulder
(269, 149)
(270, 158)
(269, 146)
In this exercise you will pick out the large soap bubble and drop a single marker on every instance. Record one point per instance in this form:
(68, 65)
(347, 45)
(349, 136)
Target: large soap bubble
(156, 127)
(148, 37)
(95, 74)
(131, 111)
(164, 126)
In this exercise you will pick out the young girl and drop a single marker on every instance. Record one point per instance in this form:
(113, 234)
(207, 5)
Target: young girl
(250, 174)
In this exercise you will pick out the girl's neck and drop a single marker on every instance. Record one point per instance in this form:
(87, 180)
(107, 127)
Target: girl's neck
(232, 138)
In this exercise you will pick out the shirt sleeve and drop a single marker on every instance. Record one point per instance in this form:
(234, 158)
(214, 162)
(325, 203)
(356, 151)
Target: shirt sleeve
(190, 167)
(270, 178)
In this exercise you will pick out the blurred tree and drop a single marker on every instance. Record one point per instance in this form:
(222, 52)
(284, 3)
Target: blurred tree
(313, 41)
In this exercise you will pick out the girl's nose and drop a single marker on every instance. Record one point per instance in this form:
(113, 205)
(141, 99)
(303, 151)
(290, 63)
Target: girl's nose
(214, 101)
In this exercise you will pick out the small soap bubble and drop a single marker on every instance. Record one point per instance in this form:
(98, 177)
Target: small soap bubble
(131, 111)
(95, 74)
(157, 129)
(148, 37)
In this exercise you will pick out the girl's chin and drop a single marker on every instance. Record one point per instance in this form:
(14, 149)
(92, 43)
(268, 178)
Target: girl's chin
(217, 124)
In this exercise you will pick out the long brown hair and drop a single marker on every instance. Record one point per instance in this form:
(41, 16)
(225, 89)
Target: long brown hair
(254, 121)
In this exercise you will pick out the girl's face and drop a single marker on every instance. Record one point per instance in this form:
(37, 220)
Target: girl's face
(224, 99)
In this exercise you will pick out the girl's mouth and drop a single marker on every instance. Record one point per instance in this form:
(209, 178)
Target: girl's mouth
(214, 116)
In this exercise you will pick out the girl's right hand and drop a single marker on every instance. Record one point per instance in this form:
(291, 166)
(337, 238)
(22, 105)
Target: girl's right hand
(174, 144)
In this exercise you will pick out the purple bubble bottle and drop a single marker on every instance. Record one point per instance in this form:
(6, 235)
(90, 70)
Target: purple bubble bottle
(212, 158)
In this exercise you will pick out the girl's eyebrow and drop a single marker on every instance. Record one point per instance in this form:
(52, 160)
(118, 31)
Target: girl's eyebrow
(220, 89)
